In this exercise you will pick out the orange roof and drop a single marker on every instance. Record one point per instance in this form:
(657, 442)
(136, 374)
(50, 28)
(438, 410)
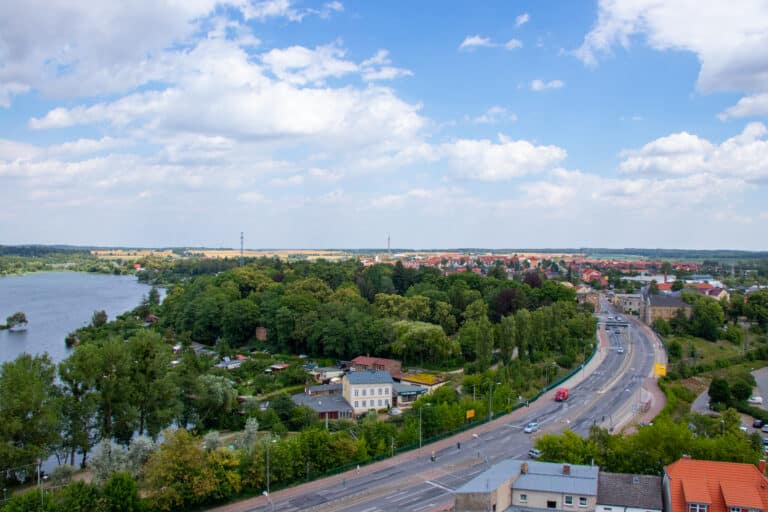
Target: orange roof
(664, 287)
(722, 485)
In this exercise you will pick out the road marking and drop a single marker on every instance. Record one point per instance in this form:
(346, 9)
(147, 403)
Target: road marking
(439, 486)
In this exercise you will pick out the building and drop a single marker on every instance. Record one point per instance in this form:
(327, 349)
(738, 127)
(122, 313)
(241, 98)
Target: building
(665, 307)
(327, 406)
(631, 303)
(618, 492)
(585, 294)
(392, 366)
(525, 486)
(405, 394)
(719, 294)
(425, 381)
(369, 389)
(707, 486)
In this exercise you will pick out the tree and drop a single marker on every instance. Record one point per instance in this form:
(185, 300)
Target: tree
(153, 298)
(154, 390)
(708, 318)
(216, 398)
(677, 285)
(77, 497)
(99, 319)
(741, 391)
(121, 494)
(29, 412)
(79, 402)
(113, 380)
(179, 456)
(239, 321)
(719, 391)
(17, 320)
(653, 288)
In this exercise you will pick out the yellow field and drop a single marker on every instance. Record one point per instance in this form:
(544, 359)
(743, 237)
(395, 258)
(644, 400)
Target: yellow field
(114, 254)
(310, 254)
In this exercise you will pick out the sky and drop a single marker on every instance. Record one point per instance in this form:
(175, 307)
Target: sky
(331, 124)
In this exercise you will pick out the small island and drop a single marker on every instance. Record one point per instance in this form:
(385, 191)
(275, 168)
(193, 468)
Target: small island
(15, 322)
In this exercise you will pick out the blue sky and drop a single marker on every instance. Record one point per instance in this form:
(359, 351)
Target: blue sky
(609, 123)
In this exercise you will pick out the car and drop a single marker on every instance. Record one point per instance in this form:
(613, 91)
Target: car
(758, 400)
(757, 424)
(395, 411)
(765, 428)
(534, 453)
(531, 427)
(765, 441)
(620, 350)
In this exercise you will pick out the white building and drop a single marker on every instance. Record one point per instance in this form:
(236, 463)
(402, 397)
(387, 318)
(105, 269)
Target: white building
(368, 389)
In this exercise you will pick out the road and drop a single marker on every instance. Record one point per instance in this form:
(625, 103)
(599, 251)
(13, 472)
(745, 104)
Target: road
(607, 395)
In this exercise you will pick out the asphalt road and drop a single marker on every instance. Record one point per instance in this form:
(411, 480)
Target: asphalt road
(608, 396)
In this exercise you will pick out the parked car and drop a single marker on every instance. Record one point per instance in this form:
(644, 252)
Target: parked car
(534, 453)
(620, 350)
(395, 411)
(765, 428)
(757, 400)
(757, 424)
(765, 441)
(531, 427)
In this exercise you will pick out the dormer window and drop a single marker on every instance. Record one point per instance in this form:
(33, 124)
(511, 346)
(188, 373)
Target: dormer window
(698, 507)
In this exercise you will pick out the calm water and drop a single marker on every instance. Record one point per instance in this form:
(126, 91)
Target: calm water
(56, 303)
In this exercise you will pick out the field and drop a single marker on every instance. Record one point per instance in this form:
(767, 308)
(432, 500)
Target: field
(115, 254)
(309, 254)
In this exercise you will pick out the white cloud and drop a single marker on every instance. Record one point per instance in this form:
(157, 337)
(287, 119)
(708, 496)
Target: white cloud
(513, 44)
(476, 41)
(744, 156)
(324, 174)
(730, 41)
(485, 160)
(379, 67)
(522, 20)
(290, 181)
(749, 106)
(299, 65)
(540, 85)
(494, 115)
(252, 197)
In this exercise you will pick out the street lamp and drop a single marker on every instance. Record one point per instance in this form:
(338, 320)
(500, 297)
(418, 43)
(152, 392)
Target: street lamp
(546, 372)
(271, 503)
(420, 432)
(268, 442)
(490, 401)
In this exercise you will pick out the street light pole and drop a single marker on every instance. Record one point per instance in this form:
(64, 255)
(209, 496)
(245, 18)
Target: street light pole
(490, 401)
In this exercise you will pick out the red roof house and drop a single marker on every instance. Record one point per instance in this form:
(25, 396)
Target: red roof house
(710, 486)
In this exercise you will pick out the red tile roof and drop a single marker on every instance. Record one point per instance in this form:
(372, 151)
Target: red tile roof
(721, 484)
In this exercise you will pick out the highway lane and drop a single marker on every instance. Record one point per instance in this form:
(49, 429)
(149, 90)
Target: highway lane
(607, 397)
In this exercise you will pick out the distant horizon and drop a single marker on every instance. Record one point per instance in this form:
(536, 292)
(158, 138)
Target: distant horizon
(393, 250)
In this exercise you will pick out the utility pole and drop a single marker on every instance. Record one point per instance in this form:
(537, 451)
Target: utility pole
(241, 248)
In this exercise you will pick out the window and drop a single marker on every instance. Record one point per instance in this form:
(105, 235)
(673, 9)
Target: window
(386, 402)
(355, 404)
(356, 392)
(379, 402)
(363, 403)
(697, 507)
(551, 504)
(582, 501)
(364, 391)
(523, 498)
(568, 500)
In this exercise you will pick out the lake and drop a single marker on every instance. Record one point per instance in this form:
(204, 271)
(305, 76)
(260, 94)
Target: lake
(57, 303)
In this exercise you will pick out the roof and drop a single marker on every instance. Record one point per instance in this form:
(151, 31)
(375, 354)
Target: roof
(407, 389)
(324, 387)
(425, 379)
(667, 301)
(370, 361)
(623, 490)
(369, 377)
(540, 476)
(323, 403)
(721, 484)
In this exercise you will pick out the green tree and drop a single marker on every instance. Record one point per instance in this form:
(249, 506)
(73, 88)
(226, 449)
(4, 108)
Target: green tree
(120, 494)
(17, 320)
(708, 318)
(77, 497)
(719, 391)
(239, 321)
(29, 411)
(215, 400)
(112, 376)
(154, 390)
(99, 319)
(79, 402)
(741, 391)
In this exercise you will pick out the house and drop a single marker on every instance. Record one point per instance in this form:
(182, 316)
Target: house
(403, 395)
(327, 374)
(707, 486)
(718, 294)
(585, 294)
(629, 302)
(618, 492)
(425, 381)
(325, 390)
(392, 366)
(369, 389)
(331, 406)
(516, 485)
(665, 307)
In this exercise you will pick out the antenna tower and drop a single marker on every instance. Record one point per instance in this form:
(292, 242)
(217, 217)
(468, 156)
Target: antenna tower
(241, 248)
(389, 247)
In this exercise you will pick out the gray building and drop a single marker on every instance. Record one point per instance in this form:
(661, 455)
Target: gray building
(618, 492)
(525, 486)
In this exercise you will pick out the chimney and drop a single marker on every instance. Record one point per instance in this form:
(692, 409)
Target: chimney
(524, 468)
(566, 469)
(762, 467)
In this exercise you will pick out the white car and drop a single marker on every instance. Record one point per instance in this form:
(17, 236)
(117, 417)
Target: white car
(755, 400)
(620, 350)
(531, 427)
(534, 453)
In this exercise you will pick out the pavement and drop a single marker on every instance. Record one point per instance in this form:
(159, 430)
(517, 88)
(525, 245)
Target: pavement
(409, 481)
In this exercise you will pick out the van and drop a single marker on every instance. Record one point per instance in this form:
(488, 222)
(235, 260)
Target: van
(534, 453)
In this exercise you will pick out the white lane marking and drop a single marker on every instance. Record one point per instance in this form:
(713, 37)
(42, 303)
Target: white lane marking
(439, 486)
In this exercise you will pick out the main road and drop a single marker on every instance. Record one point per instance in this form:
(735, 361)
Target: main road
(606, 392)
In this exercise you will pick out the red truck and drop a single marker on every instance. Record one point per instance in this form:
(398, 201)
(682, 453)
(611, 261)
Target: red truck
(561, 395)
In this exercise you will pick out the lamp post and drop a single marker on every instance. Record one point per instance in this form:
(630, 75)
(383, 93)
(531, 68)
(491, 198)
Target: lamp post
(546, 372)
(420, 431)
(490, 401)
(268, 442)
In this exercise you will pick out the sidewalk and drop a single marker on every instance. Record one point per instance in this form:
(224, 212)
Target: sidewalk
(448, 442)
